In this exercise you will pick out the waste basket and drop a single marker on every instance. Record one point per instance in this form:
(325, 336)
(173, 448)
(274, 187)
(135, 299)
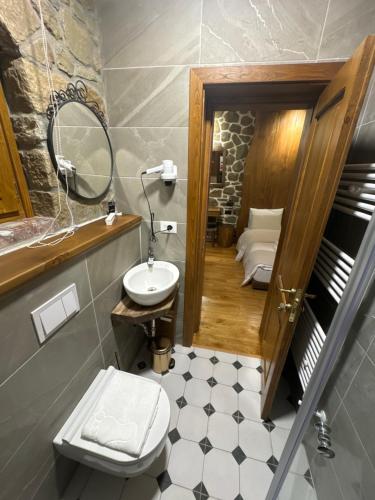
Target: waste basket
(161, 349)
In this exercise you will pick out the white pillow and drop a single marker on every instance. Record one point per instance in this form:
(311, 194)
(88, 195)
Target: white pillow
(265, 218)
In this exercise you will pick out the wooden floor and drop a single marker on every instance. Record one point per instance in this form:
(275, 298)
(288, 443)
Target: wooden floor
(231, 314)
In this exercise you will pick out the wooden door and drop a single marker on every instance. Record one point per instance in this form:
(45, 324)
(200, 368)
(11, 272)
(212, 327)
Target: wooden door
(270, 163)
(14, 196)
(326, 149)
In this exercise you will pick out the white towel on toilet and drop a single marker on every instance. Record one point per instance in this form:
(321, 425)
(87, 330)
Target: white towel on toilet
(124, 413)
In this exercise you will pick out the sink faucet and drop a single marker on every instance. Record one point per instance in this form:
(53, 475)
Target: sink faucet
(151, 256)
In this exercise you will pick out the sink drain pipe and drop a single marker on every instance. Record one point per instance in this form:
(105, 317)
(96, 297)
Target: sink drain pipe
(152, 333)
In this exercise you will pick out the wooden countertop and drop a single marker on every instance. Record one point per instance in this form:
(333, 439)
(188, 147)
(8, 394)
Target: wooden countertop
(20, 266)
(128, 310)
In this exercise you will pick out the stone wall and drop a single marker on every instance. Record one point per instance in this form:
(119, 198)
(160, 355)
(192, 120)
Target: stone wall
(74, 53)
(233, 132)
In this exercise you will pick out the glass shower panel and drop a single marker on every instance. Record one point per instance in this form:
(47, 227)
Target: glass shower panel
(348, 403)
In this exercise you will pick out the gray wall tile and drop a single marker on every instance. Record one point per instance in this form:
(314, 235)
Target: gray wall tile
(368, 109)
(109, 261)
(128, 339)
(21, 476)
(354, 471)
(170, 247)
(360, 403)
(56, 480)
(261, 31)
(167, 202)
(18, 340)
(363, 149)
(363, 329)
(325, 481)
(104, 304)
(27, 395)
(142, 34)
(347, 365)
(348, 22)
(137, 149)
(110, 348)
(147, 97)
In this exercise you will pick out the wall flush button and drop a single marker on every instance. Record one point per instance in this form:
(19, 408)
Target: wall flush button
(70, 304)
(52, 317)
(54, 313)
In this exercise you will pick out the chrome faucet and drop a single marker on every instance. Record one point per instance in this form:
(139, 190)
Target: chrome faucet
(151, 256)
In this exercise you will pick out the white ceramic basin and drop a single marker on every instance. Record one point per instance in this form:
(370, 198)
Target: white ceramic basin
(149, 285)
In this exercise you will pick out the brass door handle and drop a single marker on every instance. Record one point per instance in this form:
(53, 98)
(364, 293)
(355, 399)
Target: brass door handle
(284, 306)
(288, 290)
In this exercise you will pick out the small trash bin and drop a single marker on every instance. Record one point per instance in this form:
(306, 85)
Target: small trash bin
(161, 349)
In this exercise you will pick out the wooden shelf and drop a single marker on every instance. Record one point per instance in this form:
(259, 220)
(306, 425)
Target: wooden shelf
(16, 268)
(128, 310)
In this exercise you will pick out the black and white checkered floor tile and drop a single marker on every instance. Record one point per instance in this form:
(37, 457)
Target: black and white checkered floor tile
(218, 447)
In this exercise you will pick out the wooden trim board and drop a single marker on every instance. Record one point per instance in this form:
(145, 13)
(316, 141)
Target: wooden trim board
(21, 266)
(200, 79)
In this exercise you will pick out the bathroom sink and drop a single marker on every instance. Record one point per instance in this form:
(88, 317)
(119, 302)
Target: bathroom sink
(149, 285)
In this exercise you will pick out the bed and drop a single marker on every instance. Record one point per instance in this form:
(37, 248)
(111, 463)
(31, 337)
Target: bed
(257, 246)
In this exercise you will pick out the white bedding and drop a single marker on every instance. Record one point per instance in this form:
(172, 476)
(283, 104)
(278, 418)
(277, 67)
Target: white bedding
(257, 249)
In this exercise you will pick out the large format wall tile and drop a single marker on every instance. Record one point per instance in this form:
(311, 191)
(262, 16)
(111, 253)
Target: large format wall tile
(137, 149)
(128, 339)
(363, 150)
(18, 340)
(171, 247)
(256, 30)
(325, 482)
(58, 476)
(22, 475)
(109, 261)
(167, 202)
(348, 22)
(144, 33)
(354, 471)
(368, 109)
(347, 365)
(360, 403)
(147, 97)
(27, 395)
(104, 304)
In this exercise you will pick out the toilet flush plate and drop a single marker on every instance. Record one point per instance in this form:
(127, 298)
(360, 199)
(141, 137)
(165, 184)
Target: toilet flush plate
(53, 314)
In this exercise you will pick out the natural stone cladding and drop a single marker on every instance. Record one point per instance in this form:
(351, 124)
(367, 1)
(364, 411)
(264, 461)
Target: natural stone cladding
(233, 132)
(74, 53)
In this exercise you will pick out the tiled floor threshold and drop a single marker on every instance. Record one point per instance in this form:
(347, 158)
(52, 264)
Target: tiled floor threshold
(218, 446)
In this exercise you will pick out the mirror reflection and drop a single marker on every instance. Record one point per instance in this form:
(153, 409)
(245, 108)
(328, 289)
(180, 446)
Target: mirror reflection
(81, 150)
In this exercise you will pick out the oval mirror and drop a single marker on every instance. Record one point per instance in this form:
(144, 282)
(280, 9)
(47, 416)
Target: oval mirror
(79, 144)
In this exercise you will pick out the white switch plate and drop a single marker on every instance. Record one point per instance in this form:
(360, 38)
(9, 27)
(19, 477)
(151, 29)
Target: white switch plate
(165, 223)
(54, 313)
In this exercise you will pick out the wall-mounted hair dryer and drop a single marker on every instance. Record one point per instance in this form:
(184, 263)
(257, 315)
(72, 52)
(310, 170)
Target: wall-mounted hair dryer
(65, 167)
(168, 172)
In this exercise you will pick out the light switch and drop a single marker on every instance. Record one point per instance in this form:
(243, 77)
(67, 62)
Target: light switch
(70, 304)
(53, 316)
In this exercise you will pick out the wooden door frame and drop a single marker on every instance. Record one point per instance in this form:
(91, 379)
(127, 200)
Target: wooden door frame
(198, 163)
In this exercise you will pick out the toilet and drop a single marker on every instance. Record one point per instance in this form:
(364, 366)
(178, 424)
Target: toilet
(69, 442)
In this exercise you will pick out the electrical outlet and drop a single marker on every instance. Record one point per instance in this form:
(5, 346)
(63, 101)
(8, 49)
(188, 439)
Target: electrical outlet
(164, 225)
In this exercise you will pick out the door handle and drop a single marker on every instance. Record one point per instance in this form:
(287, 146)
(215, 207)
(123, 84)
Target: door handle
(288, 290)
(284, 306)
(291, 306)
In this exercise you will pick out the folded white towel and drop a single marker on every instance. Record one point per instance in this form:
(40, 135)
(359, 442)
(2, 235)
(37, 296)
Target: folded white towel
(123, 415)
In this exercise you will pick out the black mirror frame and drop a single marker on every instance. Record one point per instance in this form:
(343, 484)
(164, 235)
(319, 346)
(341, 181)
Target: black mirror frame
(75, 92)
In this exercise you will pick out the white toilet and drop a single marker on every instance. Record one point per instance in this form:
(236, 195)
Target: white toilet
(70, 443)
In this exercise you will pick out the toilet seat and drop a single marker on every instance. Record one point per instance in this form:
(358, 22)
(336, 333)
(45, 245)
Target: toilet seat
(69, 443)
